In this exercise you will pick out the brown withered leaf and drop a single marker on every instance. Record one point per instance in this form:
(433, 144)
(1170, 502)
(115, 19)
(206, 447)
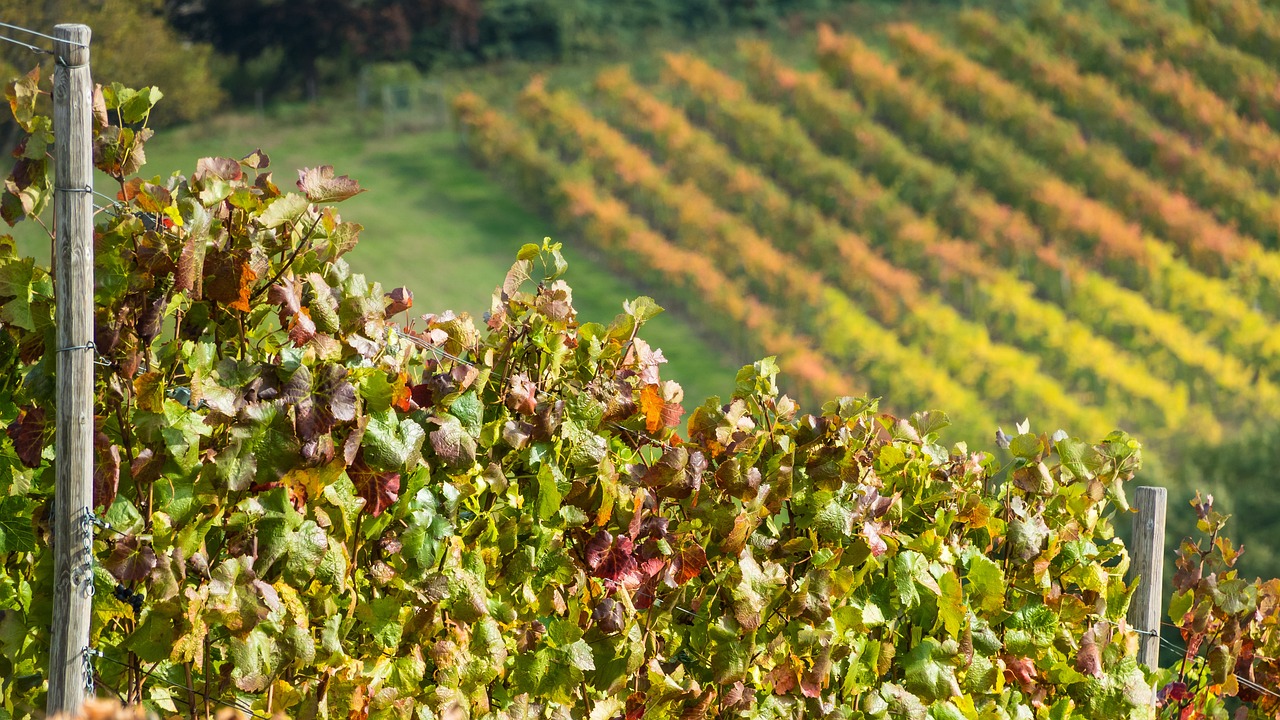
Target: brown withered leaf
(257, 160)
(146, 467)
(99, 108)
(190, 267)
(228, 279)
(737, 538)
(522, 395)
(225, 168)
(320, 185)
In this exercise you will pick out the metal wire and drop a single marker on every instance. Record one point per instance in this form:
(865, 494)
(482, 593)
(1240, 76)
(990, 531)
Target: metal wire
(191, 690)
(1170, 645)
(19, 28)
(33, 48)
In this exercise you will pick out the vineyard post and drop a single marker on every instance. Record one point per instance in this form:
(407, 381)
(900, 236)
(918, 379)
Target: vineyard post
(69, 668)
(1147, 565)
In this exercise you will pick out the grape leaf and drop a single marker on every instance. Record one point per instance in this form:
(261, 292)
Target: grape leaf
(320, 185)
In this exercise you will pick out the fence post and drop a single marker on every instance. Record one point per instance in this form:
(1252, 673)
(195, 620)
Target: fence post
(69, 667)
(1146, 562)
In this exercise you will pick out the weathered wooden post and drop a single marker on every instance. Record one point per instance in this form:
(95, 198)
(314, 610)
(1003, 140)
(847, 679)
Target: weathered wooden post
(1146, 562)
(69, 676)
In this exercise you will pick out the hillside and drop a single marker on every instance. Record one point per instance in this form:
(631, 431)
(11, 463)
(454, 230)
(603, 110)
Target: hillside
(1064, 215)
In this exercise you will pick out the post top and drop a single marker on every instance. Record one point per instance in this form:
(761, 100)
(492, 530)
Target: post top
(72, 43)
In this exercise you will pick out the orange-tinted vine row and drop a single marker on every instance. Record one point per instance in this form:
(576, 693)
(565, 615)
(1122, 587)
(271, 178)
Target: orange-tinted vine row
(1173, 94)
(1216, 307)
(838, 122)
(949, 348)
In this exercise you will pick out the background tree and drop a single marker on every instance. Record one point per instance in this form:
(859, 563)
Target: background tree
(132, 44)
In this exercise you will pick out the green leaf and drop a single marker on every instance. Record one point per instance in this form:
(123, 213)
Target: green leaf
(1026, 446)
(951, 609)
(287, 208)
(929, 423)
(384, 621)
(579, 655)
(986, 582)
(391, 444)
(469, 411)
(643, 309)
(253, 660)
(925, 673)
(549, 496)
(154, 637)
(23, 283)
(16, 532)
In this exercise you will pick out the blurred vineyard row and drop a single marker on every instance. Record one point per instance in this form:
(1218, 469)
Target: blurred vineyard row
(1067, 216)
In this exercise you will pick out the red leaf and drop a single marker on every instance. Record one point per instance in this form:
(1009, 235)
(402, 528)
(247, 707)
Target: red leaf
(225, 168)
(302, 328)
(379, 489)
(611, 559)
(1089, 657)
(106, 476)
(690, 562)
(399, 300)
(131, 561)
(784, 678)
(872, 532)
(284, 295)
(27, 433)
(1021, 670)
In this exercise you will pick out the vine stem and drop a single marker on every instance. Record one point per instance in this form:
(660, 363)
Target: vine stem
(205, 664)
(288, 263)
(191, 690)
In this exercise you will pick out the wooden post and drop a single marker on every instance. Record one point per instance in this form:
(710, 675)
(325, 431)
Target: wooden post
(1146, 562)
(73, 287)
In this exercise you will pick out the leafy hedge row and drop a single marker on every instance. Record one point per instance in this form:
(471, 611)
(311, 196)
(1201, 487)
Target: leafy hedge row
(1101, 168)
(837, 121)
(1246, 24)
(1222, 189)
(1206, 304)
(994, 299)
(1228, 71)
(1173, 94)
